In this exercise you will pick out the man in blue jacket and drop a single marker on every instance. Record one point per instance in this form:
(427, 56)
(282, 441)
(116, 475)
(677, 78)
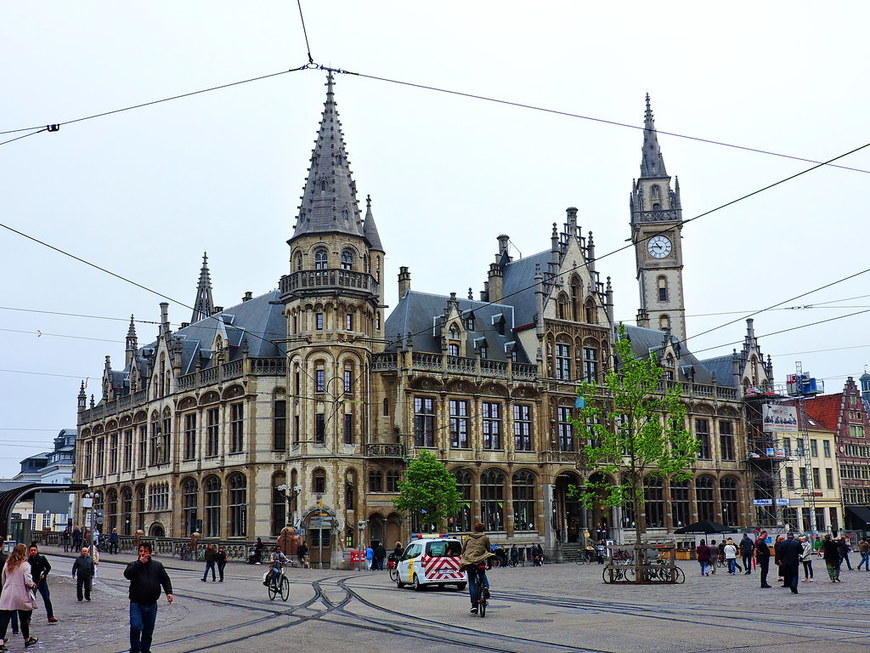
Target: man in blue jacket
(146, 577)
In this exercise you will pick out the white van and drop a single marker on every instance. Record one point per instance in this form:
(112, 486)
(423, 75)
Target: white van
(431, 561)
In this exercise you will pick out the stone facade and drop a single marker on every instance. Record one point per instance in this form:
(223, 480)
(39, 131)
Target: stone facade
(302, 406)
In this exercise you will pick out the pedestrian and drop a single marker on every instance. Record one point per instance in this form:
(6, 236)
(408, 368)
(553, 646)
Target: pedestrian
(747, 546)
(17, 595)
(831, 554)
(515, 555)
(113, 541)
(476, 550)
(302, 554)
(844, 549)
(67, 536)
(762, 557)
(210, 561)
(259, 547)
(77, 538)
(790, 552)
(39, 568)
(146, 577)
(807, 559)
(702, 553)
(95, 537)
(370, 557)
(721, 557)
(777, 560)
(730, 552)
(83, 571)
(277, 560)
(864, 549)
(3, 557)
(221, 562)
(714, 556)
(380, 555)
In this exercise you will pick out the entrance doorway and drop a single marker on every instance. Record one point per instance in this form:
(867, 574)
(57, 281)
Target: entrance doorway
(568, 518)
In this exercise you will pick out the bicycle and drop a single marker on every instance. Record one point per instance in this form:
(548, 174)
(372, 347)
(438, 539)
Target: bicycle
(479, 571)
(394, 570)
(281, 586)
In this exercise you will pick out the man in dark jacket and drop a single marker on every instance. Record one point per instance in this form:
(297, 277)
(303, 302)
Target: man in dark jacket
(380, 555)
(762, 557)
(210, 561)
(39, 568)
(83, 572)
(790, 555)
(146, 577)
(746, 548)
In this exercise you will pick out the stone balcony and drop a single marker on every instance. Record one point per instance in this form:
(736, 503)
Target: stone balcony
(318, 281)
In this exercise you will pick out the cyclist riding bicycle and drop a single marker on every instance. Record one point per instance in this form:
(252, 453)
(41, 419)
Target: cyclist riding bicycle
(476, 550)
(276, 563)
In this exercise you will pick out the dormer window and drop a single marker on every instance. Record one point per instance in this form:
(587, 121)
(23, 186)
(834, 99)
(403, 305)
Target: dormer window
(453, 349)
(454, 332)
(345, 214)
(469, 322)
(323, 185)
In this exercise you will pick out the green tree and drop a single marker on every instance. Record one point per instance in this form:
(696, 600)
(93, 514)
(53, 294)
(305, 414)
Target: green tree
(428, 492)
(630, 427)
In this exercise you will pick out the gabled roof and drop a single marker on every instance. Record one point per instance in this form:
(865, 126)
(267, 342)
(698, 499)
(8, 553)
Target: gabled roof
(825, 409)
(417, 313)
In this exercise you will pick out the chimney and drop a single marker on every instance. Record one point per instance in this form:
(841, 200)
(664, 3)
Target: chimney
(164, 319)
(248, 296)
(502, 246)
(495, 283)
(404, 281)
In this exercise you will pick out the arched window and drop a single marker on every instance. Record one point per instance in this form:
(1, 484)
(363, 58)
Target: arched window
(189, 506)
(704, 498)
(279, 502)
(664, 322)
(347, 260)
(318, 481)
(140, 507)
(126, 511)
(212, 506)
(454, 332)
(728, 493)
(112, 509)
(320, 256)
(349, 497)
(576, 305)
(591, 311)
(322, 185)
(461, 523)
(654, 501)
(680, 503)
(386, 409)
(656, 192)
(562, 307)
(238, 505)
(492, 500)
(298, 261)
(524, 501)
(376, 481)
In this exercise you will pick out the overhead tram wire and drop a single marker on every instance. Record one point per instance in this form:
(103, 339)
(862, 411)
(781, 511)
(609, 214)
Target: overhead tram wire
(56, 126)
(746, 196)
(304, 31)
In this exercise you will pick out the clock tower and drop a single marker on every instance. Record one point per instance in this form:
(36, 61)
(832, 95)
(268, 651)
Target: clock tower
(656, 222)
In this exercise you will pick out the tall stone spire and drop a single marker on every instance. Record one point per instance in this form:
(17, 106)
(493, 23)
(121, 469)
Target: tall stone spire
(203, 306)
(132, 343)
(329, 203)
(652, 164)
(370, 229)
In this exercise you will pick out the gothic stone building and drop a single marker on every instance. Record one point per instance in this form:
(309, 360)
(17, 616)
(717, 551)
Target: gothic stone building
(304, 404)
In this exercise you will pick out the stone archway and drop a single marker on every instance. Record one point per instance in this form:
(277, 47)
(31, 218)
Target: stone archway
(568, 518)
(393, 531)
(156, 530)
(377, 529)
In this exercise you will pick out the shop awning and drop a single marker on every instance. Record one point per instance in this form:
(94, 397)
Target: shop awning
(860, 512)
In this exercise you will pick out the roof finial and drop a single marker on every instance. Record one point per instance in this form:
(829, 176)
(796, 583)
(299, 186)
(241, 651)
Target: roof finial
(203, 307)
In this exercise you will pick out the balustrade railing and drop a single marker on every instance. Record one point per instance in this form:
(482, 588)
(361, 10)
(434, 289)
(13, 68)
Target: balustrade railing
(348, 279)
(385, 450)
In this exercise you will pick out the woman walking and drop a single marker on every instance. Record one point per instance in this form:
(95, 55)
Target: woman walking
(17, 595)
(831, 554)
(702, 553)
(807, 559)
(730, 552)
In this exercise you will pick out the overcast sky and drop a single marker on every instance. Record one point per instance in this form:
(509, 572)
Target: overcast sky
(143, 193)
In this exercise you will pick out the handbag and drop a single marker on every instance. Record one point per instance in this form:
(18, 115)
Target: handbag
(31, 594)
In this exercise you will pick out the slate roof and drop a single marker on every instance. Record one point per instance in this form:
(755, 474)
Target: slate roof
(258, 320)
(518, 284)
(418, 312)
(722, 367)
(645, 340)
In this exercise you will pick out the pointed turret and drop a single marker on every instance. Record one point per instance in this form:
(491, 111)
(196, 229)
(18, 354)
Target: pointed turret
(132, 343)
(652, 164)
(370, 229)
(204, 306)
(329, 202)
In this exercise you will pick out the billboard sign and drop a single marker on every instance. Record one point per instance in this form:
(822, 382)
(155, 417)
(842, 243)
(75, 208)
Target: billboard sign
(780, 419)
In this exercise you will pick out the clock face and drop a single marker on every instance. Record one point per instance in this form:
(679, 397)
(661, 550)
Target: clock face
(659, 246)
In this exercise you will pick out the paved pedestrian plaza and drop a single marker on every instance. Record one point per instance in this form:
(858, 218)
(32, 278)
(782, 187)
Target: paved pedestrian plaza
(559, 607)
